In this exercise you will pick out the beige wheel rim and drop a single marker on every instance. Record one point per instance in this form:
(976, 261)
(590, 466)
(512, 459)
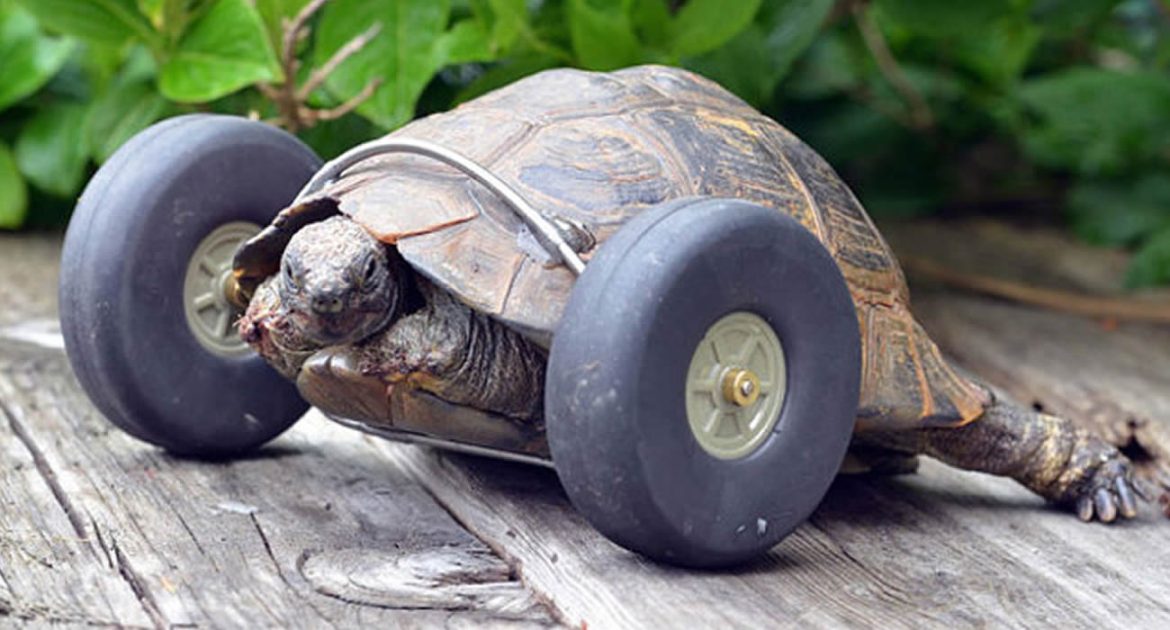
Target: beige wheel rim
(736, 385)
(210, 316)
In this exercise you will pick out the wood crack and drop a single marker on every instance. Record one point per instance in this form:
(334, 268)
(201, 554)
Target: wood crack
(6, 605)
(276, 563)
(515, 565)
(76, 519)
(194, 538)
(103, 545)
(26, 617)
(139, 587)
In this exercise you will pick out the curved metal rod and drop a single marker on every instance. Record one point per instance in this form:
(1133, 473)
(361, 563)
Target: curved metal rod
(443, 443)
(545, 232)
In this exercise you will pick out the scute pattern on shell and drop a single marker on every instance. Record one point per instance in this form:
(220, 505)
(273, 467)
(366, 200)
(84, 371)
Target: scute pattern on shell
(598, 148)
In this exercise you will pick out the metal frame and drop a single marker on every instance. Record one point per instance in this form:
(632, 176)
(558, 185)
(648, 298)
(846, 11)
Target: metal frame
(426, 440)
(545, 231)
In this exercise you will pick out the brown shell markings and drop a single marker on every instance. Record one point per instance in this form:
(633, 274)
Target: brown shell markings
(598, 148)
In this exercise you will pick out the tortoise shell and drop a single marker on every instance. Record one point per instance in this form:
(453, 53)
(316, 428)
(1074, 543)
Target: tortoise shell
(597, 148)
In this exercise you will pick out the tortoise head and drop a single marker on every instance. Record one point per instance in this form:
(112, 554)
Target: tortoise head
(339, 284)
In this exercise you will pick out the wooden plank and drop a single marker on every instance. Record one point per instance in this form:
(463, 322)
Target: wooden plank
(97, 528)
(28, 276)
(48, 571)
(941, 547)
(110, 530)
(1116, 381)
(324, 510)
(1110, 375)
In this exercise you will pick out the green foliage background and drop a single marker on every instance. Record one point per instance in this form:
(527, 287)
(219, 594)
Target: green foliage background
(1039, 108)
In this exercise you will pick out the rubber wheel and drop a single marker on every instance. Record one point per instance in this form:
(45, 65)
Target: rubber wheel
(124, 268)
(622, 364)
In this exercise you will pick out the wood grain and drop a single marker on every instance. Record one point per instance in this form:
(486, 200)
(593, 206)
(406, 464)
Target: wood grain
(326, 527)
(1110, 375)
(28, 276)
(943, 547)
(99, 529)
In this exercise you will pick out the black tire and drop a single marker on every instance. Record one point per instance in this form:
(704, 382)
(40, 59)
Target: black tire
(615, 408)
(125, 257)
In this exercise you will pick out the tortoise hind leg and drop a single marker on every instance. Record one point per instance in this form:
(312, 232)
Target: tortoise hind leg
(1051, 456)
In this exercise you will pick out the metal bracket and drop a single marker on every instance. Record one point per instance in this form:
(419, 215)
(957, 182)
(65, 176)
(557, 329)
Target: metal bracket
(545, 231)
(450, 445)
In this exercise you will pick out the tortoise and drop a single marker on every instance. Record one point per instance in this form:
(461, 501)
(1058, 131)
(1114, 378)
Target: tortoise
(634, 277)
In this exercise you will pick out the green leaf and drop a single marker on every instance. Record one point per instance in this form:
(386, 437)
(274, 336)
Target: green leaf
(171, 18)
(331, 138)
(933, 82)
(152, 9)
(13, 195)
(27, 58)
(274, 12)
(602, 34)
(225, 50)
(1063, 16)
(755, 61)
(1000, 52)
(102, 21)
(404, 56)
(1151, 265)
(512, 29)
(120, 114)
(51, 149)
(704, 25)
(128, 105)
(1095, 120)
(1120, 212)
(832, 65)
(99, 64)
(466, 41)
(510, 20)
(933, 18)
(652, 22)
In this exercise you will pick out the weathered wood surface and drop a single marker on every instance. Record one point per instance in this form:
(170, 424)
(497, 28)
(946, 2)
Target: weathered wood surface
(1108, 374)
(327, 527)
(97, 529)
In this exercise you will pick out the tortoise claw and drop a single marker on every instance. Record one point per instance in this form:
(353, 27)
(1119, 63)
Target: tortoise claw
(1106, 510)
(1110, 492)
(1125, 499)
(1085, 509)
(1144, 489)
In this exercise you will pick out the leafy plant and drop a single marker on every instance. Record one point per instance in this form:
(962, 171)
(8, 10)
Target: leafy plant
(1048, 106)
(1022, 106)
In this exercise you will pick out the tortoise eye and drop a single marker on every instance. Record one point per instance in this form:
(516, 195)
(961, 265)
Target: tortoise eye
(370, 271)
(290, 277)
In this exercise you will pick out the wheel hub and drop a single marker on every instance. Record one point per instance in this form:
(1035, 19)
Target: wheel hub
(210, 315)
(741, 387)
(736, 385)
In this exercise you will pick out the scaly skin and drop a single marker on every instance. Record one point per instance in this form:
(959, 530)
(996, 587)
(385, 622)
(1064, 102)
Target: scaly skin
(1049, 455)
(459, 355)
(266, 327)
(341, 289)
(338, 284)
